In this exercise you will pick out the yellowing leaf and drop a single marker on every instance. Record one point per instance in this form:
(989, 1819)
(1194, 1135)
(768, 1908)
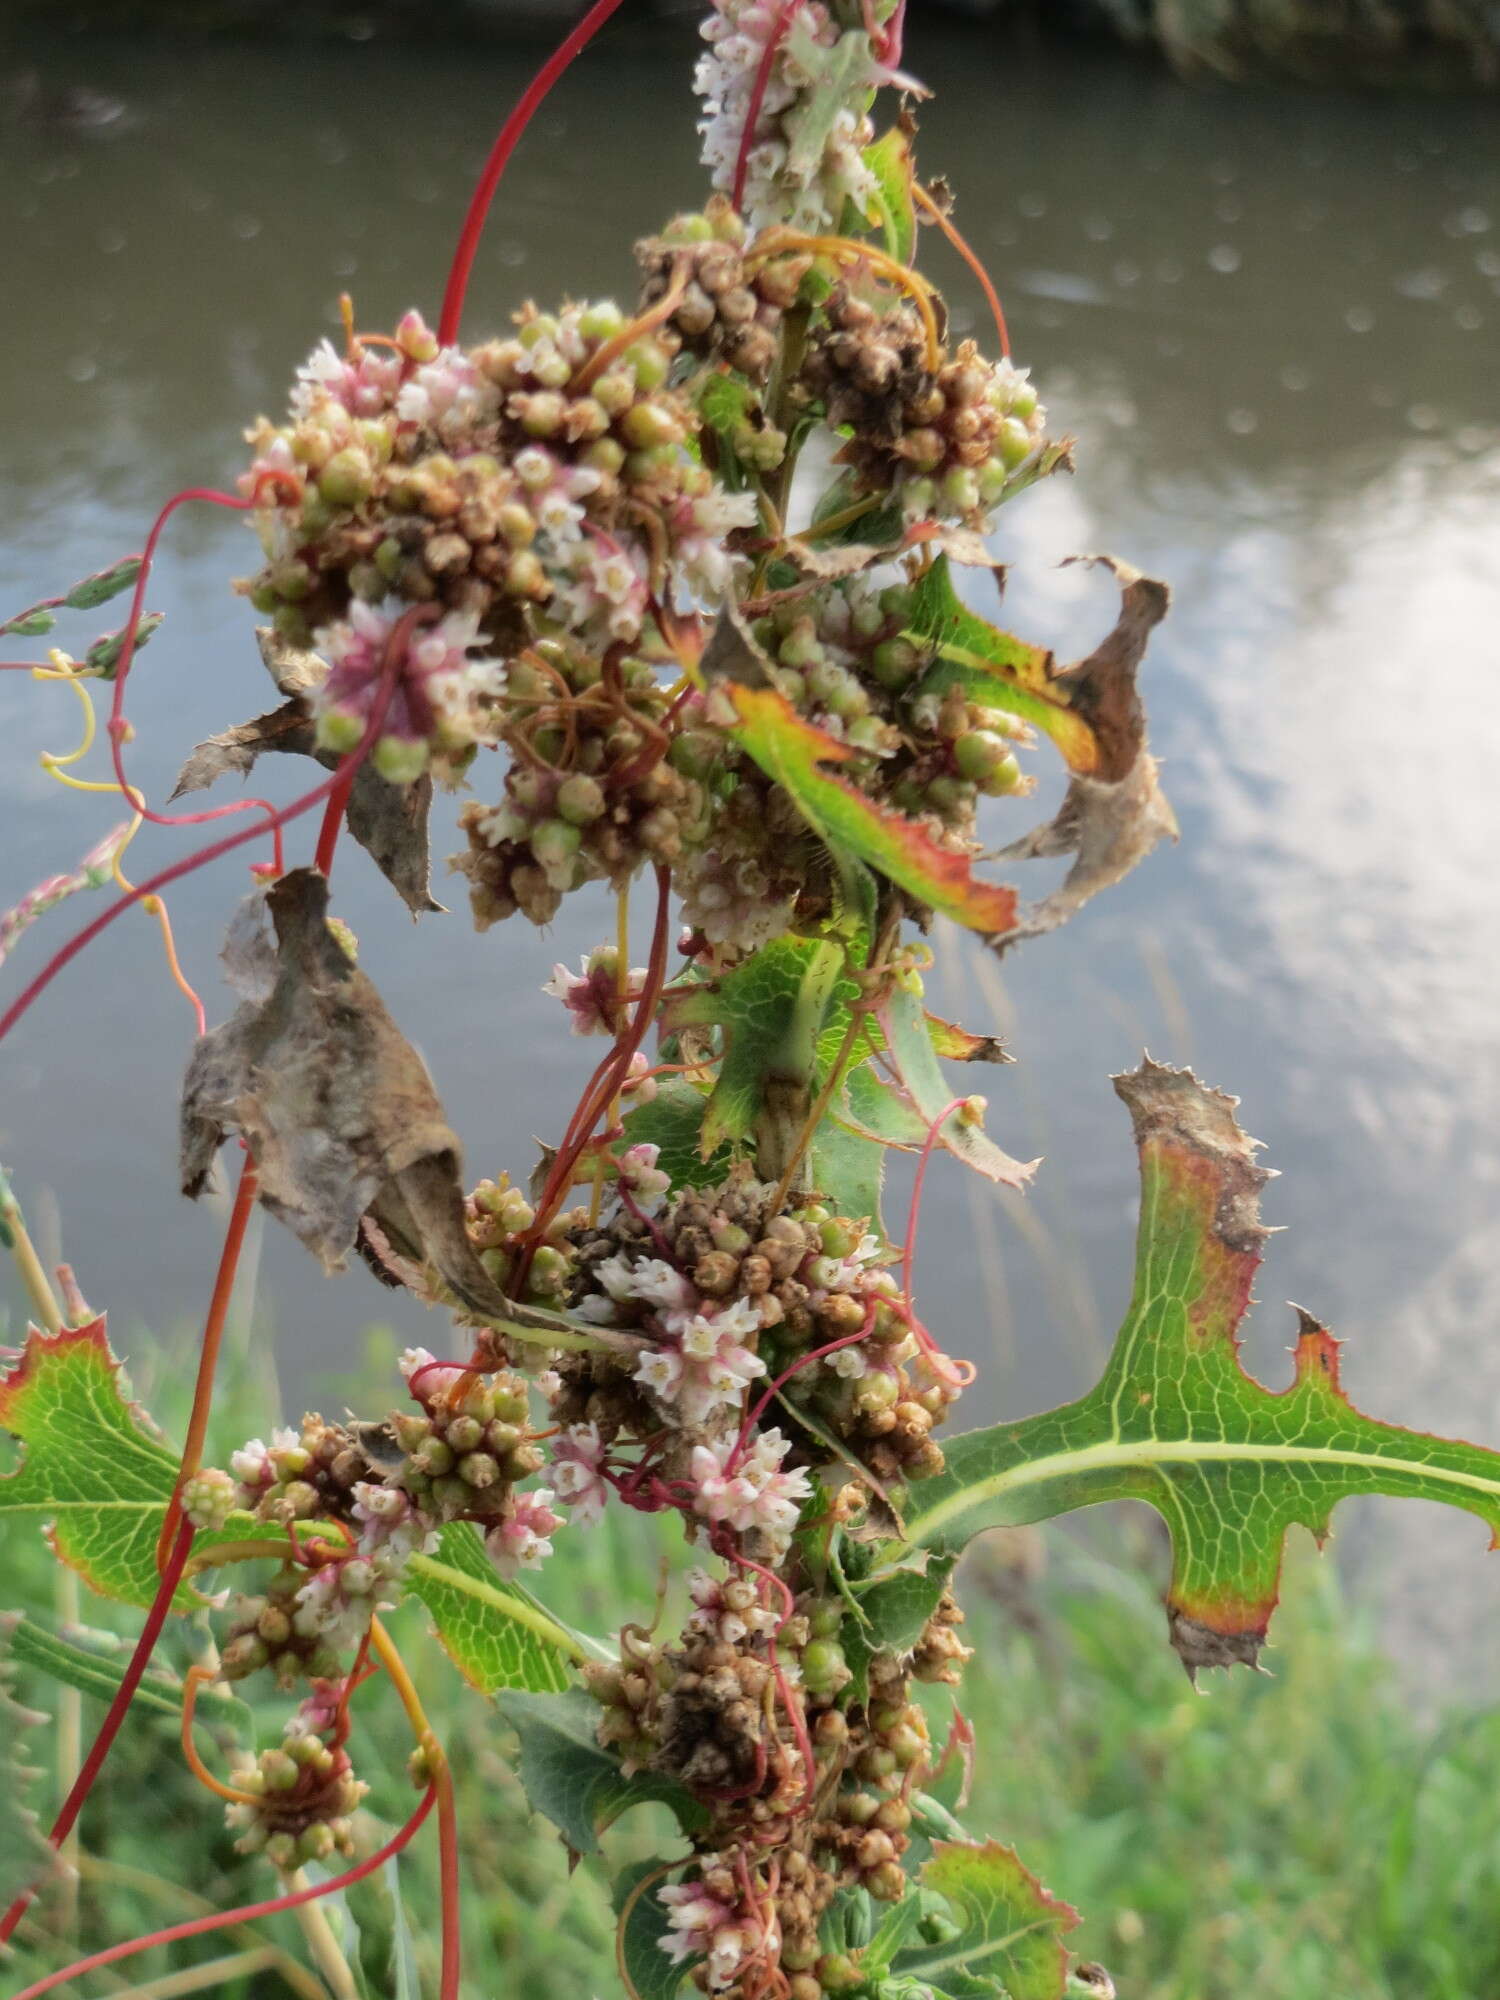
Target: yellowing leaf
(1229, 1464)
(793, 751)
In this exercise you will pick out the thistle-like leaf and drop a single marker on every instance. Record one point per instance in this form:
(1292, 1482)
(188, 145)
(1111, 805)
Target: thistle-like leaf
(1229, 1464)
(1005, 1939)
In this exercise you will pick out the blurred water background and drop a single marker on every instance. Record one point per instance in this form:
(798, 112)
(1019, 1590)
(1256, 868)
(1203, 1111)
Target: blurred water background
(1270, 319)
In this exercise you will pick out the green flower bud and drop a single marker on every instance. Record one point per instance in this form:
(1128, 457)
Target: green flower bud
(346, 479)
(836, 1972)
(840, 1236)
(650, 362)
(555, 845)
(1013, 443)
(824, 1668)
(601, 321)
(646, 426)
(279, 1771)
(894, 662)
(464, 1434)
(281, 1851)
(400, 760)
(580, 799)
(316, 1842)
(478, 1469)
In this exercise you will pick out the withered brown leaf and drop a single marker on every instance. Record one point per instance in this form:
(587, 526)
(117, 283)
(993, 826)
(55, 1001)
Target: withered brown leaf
(1110, 819)
(336, 1106)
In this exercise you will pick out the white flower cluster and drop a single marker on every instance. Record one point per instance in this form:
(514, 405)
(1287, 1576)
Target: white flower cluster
(805, 156)
(703, 1363)
(722, 1933)
(748, 1490)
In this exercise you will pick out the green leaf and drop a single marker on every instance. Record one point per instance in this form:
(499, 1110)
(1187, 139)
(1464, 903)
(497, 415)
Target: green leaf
(95, 1672)
(792, 752)
(576, 1783)
(29, 625)
(1177, 1422)
(91, 1474)
(995, 668)
(103, 657)
(405, 1982)
(784, 1014)
(894, 1929)
(25, 1854)
(649, 1973)
(895, 209)
(1007, 1940)
(104, 584)
(673, 1121)
(909, 1040)
(898, 1603)
(844, 76)
(100, 1483)
(495, 1632)
(848, 1170)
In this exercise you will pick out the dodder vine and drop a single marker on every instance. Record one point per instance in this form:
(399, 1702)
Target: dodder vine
(667, 588)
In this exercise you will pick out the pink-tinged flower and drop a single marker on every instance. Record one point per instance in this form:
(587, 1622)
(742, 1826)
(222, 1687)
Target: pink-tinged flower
(392, 1527)
(365, 386)
(441, 695)
(639, 1085)
(523, 1540)
(254, 1467)
(605, 596)
(640, 1174)
(448, 394)
(725, 1935)
(757, 1494)
(698, 526)
(728, 1610)
(577, 1472)
(336, 1602)
(708, 1365)
(415, 337)
(592, 994)
(435, 1381)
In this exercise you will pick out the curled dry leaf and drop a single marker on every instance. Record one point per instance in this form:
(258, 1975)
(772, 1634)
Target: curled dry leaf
(1113, 816)
(389, 821)
(334, 1103)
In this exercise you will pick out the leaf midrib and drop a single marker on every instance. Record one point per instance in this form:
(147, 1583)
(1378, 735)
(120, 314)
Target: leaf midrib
(1121, 1454)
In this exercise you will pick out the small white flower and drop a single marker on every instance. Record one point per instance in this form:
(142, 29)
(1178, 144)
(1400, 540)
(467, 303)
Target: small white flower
(577, 1461)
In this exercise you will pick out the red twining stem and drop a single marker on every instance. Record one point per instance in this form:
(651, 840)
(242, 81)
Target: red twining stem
(608, 1082)
(118, 728)
(510, 137)
(802, 1361)
(208, 1356)
(758, 91)
(160, 881)
(249, 1913)
(176, 1559)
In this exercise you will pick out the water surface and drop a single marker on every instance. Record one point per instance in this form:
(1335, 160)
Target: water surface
(1270, 320)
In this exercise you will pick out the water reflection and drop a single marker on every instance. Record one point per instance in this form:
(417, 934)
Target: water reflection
(1270, 319)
